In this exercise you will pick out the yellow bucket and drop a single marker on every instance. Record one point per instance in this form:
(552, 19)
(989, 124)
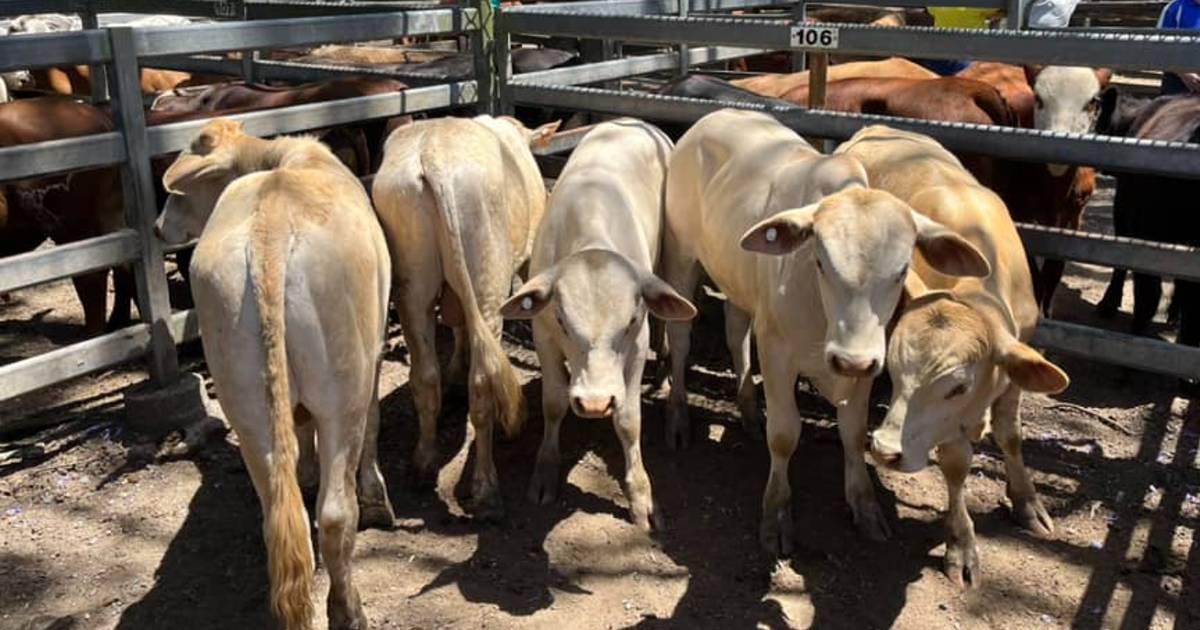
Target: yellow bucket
(961, 17)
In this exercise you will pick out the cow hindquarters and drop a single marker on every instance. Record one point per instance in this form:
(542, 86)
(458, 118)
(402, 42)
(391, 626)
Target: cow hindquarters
(1006, 430)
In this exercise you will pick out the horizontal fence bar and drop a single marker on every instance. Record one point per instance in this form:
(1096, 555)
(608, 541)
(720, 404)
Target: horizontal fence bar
(633, 66)
(54, 156)
(1176, 261)
(68, 260)
(41, 50)
(203, 38)
(29, 7)
(644, 7)
(86, 357)
(177, 136)
(1140, 353)
(1170, 52)
(1116, 154)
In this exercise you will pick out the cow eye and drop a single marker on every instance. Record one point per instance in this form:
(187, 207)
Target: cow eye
(958, 390)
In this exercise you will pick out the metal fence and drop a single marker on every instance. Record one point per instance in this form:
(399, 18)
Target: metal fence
(660, 22)
(122, 50)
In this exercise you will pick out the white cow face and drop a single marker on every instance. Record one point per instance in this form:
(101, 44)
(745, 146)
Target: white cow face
(196, 181)
(595, 302)
(859, 243)
(948, 363)
(1066, 99)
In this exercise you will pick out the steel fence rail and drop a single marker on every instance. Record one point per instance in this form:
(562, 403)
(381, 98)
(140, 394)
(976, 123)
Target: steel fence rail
(1117, 154)
(1140, 353)
(629, 67)
(68, 260)
(55, 156)
(1168, 52)
(40, 50)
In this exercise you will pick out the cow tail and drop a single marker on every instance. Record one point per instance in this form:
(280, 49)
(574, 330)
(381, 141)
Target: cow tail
(498, 381)
(289, 550)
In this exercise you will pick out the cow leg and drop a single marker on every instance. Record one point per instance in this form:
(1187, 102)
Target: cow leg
(962, 553)
(776, 532)
(543, 487)
(860, 492)
(307, 470)
(1006, 431)
(339, 443)
(375, 509)
(1111, 302)
(737, 338)
(482, 409)
(628, 423)
(417, 321)
(124, 292)
(1147, 293)
(1187, 296)
(1051, 275)
(92, 289)
(456, 372)
(682, 272)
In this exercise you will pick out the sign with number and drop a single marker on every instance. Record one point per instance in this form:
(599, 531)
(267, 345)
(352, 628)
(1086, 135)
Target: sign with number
(230, 9)
(814, 37)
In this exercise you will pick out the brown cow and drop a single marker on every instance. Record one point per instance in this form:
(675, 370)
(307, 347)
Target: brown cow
(944, 98)
(62, 208)
(77, 81)
(777, 85)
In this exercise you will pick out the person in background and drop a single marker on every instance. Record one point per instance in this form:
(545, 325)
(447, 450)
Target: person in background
(956, 17)
(1184, 14)
(1050, 13)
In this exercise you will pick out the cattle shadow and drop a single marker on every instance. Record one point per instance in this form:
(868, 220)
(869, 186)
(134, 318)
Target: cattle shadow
(213, 574)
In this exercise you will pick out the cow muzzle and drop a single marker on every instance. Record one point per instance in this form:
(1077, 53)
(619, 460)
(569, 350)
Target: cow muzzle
(853, 366)
(594, 406)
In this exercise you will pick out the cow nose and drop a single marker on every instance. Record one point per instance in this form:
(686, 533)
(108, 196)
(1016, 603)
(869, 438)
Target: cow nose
(885, 456)
(846, 365)
(594, 407)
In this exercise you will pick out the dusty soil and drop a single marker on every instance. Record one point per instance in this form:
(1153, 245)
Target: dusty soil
(95, 532)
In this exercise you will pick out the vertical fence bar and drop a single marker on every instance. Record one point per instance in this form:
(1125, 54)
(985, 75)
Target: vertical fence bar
(684, 7)
(248, 56)
(484, 52)
(96, 72)
(799, 57)
(502, 58)
(1014, 14)
(141, 207)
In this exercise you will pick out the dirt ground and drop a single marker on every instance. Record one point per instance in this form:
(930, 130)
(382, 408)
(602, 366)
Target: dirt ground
(95, 532)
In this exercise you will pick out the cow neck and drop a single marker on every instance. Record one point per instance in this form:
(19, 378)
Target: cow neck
(989, 306)
(256, 154)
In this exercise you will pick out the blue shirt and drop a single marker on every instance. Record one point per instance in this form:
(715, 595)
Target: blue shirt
(1181, 14)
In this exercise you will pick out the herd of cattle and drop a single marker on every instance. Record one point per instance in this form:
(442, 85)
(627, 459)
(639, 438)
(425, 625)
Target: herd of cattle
(889, 253)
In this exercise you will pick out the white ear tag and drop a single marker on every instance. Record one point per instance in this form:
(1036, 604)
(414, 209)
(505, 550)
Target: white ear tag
(527, 303)
(772, 234)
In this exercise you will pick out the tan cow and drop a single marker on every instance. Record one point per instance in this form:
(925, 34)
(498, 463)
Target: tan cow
(592, 284)
(776, 85)
(459, 200)
(959, 350)
(818, 303)
(290, 278)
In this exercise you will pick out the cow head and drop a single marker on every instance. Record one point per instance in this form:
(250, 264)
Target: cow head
(196, 180)
(859, 243)
(1066, 99)
(595, 302)
(17, 79)
(949, 359)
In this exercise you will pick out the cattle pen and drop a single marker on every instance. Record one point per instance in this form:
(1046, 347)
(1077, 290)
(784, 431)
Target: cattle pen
(1135, 565)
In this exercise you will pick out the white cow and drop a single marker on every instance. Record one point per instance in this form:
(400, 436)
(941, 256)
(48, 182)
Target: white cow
(592, 284)
(818, 303)
(459, 200)
(291, 279)
(959, 351)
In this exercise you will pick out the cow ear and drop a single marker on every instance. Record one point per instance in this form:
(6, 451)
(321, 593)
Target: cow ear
(1031, 74)
(1106, 119)
(540, 137)
(190, 169)
(781, 234)
(531, 298)
(914, 286)
(664, 302)
(1030, 370)
(948, 252)
(1103, 76)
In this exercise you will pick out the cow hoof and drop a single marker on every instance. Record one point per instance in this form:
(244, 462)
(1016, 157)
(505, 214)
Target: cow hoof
(962, 564)
(871, 522)
(777, 533)
(343, 618)
(678, 428)
(376, 517)
(1030, 514)
(543, 486)
(488, 507)
(425, 471)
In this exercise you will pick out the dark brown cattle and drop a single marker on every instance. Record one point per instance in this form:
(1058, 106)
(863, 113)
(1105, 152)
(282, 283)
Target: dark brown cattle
(1032, 193)
(224, 96)
(62, 208)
